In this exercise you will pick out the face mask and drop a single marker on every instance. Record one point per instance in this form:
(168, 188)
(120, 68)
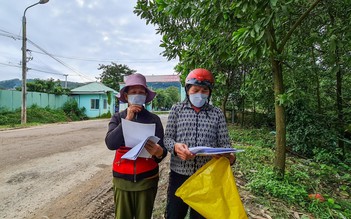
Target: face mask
(198, 99)
(137, 99)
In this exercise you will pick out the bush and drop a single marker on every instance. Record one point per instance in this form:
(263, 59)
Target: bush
(72, 110)
(39, 115)
(36, 114)
(302, 177)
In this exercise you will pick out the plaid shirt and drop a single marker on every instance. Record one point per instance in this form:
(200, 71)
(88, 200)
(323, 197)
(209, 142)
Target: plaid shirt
(206, 128)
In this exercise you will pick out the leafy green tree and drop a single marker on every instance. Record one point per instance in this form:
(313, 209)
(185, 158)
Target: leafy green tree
(173, 93)
(165, 98)
(265, 29)
(199, 38)
(113, 74)
(239, 40)
(47, 86)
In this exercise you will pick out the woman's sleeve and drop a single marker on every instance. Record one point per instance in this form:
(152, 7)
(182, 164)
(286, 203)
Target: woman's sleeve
(171, 130)
(160, 134)
(114, 137)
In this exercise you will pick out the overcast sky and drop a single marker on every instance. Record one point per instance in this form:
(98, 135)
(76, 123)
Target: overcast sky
(79, 35)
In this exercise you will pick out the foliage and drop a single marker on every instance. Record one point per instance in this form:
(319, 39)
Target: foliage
(309, 132)
(47, 86)
(165, 98)
(105, 115)
(305, 44)
(37, 115)
(72, 110)
(303, 177)
(14, 83)
(113, 74)
(9, 117)
(262, 137)
(109, 97)
(34, 115)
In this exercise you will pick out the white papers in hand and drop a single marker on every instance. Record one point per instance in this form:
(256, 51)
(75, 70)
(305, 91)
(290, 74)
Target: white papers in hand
(203, 150)
(139, 150)
(137, 134)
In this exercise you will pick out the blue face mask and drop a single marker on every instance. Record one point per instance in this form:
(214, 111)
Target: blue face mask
(136, 99)
(198, 99)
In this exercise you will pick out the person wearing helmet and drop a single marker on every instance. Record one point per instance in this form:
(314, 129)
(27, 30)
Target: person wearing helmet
(135, 182)
(194, 122)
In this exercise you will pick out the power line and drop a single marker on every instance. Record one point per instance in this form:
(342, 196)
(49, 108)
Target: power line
(12, 65)
(34, 69)
(58, 60)
(108, 60)
(16, 37)
(8, 34)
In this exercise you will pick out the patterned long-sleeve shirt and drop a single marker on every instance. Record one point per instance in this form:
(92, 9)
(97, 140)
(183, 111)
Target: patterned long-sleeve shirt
(205, 128)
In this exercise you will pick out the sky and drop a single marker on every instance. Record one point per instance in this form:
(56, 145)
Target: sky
(73, 37)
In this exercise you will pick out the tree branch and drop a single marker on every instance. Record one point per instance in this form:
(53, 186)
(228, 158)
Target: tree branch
(297, 23)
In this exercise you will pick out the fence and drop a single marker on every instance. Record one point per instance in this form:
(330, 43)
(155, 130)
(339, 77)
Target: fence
(10, 100)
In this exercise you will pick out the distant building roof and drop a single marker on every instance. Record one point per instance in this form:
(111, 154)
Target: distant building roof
(92, 88)
(159, 78)
(162, 78)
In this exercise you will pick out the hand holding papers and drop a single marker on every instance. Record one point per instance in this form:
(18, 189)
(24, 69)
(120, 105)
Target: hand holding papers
(139, 150)
(203, 150)
(135, 136)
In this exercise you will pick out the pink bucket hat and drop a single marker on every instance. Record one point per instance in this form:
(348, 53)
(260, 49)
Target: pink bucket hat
(136, 79)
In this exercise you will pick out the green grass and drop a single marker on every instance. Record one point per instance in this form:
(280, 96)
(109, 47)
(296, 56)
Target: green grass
(280, 197)
(302, 177)
(35, 116)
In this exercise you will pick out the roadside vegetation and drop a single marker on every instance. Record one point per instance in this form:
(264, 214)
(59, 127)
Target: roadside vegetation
(36, 115)
(319, 187)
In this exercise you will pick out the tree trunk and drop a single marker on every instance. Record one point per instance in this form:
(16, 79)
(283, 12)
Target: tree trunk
(243, 103)
(224, 103)
(280, 126)
(318, 93)
(279, 164)
(339, 107)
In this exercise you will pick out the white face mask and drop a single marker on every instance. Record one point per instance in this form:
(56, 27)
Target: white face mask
(137, 99)
(198, 99)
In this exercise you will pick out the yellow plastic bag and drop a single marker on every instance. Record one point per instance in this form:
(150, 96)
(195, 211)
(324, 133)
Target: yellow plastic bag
(212, 191)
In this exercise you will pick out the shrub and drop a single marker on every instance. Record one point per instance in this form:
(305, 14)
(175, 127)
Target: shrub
(72, 110)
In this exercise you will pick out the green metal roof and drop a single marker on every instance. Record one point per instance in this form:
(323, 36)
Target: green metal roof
(92, 88)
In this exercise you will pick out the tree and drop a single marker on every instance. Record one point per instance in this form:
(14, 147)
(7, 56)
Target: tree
(165, 98)
(113, 74)
(265, 31)
(47, 86)
(219, 33)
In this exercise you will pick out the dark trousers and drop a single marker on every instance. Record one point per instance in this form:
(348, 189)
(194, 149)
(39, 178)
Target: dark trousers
(176, 208)
(134, 204)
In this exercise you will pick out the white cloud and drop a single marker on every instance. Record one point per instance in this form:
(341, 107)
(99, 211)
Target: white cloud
(81, 34)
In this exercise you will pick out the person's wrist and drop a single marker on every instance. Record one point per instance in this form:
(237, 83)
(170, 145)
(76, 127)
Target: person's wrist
(159, 154)
(232, 159)
(128, 117)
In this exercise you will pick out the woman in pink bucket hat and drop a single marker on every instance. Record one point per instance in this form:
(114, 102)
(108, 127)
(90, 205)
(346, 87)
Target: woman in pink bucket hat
(135, 181)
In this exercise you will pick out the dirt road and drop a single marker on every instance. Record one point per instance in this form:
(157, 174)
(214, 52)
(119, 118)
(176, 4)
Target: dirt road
(59, 171)
(64, 171)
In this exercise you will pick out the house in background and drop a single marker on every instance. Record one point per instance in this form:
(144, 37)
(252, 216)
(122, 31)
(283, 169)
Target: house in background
(155, 82)
(96, 98)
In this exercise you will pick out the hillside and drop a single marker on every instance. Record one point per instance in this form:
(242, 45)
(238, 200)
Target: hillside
(13, 83)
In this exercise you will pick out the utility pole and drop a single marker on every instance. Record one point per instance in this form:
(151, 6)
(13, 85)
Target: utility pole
(24, 62)
(65, 80)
